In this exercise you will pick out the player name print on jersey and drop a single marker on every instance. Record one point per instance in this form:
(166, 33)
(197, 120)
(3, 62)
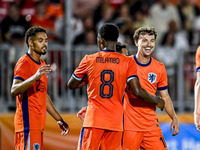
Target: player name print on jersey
(108, 60)
(152, 77)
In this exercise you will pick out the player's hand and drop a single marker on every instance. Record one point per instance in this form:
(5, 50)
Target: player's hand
(81, 113)
(41, 71)
(64, 126)
(161, 103)
(197, 121)
(175, 126)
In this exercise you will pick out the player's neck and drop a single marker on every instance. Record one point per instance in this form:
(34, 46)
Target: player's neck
(110, 45)
(34, 55)
(142, 59)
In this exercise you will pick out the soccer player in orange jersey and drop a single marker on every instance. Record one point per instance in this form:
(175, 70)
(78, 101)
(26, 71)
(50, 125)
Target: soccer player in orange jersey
(30, 88)
(141, 126)
(197, 92)
(108, 73)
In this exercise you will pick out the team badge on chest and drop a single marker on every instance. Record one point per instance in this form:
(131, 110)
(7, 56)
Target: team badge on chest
(152, 77)
(36, 146)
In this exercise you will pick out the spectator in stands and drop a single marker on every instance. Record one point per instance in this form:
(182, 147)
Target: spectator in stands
(196, 28)
(90, 38)
(98, 12)
(161, 13)
(168, 55)
(139, 5)
(88, 24)
(55, 9)
(83, 8)
(124, 22)
(107, 16)
(14, 26)
(27, 7)
(180, 37)
(172, 43)
(187, 12)
(41, 18)
(60, 27)
(140, 20)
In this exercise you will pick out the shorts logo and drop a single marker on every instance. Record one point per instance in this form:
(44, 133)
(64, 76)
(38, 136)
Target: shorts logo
(36, 146)
(152, 77)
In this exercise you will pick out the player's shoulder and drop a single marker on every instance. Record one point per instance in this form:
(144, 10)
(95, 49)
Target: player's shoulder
(198, 50)
(42, 61)
(157, 63)
(23, 60)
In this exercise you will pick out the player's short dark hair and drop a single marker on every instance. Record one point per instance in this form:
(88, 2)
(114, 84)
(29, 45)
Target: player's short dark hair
(109, 32)
(119, 47)
(31, 32)
(143, 31)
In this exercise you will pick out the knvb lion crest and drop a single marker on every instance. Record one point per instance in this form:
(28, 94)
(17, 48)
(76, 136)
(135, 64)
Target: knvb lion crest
(152, 78)
(36, 146)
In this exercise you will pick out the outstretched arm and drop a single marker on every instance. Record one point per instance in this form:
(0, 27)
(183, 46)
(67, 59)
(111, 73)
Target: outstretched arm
(137, 90)
(197, 102)
(170, 111)
(54, 113)
(20, 86)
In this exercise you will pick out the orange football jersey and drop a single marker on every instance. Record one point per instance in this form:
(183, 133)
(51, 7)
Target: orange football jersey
(198, 59)
(31, 105)
(108, 73)
(140, 115)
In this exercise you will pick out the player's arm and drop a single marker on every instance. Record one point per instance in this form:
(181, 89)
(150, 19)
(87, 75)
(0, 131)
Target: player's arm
(170, 111)
(138, 91)
(73, 83)
(20, 86)
(197, 101)
(54, 113)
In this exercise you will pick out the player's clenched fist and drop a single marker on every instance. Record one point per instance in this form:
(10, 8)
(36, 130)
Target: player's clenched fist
(161, 103)
(64, 126)
(81, 113)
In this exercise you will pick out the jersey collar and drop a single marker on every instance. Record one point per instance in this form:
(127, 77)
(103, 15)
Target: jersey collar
(140, 63)
(33, 59)
(108, 50)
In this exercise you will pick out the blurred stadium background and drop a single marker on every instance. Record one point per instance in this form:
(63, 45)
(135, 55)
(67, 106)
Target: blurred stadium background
(72, 26)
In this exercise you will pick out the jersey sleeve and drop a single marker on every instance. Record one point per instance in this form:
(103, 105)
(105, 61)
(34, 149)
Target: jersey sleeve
(162, 84)
(132, 70)
(81, 70)
(197, 59)
(21, 70)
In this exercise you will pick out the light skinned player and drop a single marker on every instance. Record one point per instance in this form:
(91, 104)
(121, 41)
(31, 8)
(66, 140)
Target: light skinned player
(141, 126)
(30, 88)
(108, 73)
(197, 91)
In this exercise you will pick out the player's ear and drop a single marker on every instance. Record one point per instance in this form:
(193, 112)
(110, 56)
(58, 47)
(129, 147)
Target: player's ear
(102, 44)
(136, 43)
(101, 41)
(30, 43)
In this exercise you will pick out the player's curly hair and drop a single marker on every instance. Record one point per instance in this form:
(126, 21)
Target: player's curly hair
(143, 31)
(109, 32)
(32, 32)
